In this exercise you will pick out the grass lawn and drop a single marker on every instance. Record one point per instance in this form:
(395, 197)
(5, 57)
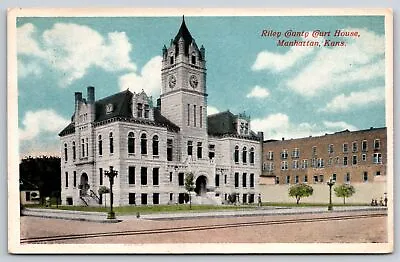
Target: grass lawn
(277, 204)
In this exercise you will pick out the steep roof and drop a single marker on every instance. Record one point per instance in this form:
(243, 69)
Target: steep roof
(185, 34)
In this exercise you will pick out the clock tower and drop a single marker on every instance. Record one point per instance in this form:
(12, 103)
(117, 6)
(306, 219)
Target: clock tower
(183, 77)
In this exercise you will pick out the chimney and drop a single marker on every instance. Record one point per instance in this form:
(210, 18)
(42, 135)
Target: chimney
(78, 97)
(90, 94)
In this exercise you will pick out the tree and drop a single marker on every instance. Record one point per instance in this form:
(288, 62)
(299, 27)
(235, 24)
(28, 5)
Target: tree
(299, 191)
(232, 198)
(344, 191)
(104, 190)
(189, 186)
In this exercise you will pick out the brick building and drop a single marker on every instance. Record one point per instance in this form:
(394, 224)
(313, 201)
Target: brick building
(348, 157)
(154, 147)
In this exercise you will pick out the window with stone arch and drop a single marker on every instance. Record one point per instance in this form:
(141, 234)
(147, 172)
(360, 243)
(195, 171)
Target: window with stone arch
(100, 143)
(65, 152)
(131, 143)
(251, 155)
(111, 143)
(236, 154)
(143, 144)
(244, 155)
(155, 145)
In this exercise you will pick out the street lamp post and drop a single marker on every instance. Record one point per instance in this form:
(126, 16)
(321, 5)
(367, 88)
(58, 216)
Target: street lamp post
(330, 183)
(111, 174)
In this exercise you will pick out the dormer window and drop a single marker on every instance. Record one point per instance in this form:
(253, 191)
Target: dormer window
(171, 60)
(193, 59)
(140, 110)
(146, 111)
(109, 108)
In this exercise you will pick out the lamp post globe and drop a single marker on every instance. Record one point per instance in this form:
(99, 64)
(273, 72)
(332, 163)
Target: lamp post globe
(330, 183)
(111, 175)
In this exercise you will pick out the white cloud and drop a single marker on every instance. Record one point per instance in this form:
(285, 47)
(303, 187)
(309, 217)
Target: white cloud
(25, 69)
(278, 62)
(343, 103)
(211, 110)
(278, 126)
(72, 49)
(361, 59)
(45, 120)
(259, 92)
(149, 79)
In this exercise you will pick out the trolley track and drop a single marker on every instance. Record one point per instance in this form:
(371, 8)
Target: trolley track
(37, 240)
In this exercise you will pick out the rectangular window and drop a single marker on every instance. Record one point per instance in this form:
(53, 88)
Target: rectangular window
(296, 179)
(156, 176)
(156, 198)
(270, 155)
(74, 178)
(295, 164)
(347, 178)
(330, 149)
(377, 144)
(171, 196)
(321, 178)
(287, 179)
(244, 198)
(146, 111)
(143, 176)
(354, 160)
(139, 110)
(66, 179)
(170, 177)
(144, 199)
(169, 149)
(365, 177)
(225, 179)
(377, 158)
(296, 153)
(354, 146)
(101, 176)
(334, 177)
(199, 150)
(345, 148)
(284, 154)
(364, 146)
(236, 179)
(277, 180)
(305, 180)
(181, 179)
(211, 151)
(132, 199)
(304, 163)
(83, 148)
(131, 175)
(378, 173)
(320, 163)
(284, 165)
(345, 160)
(244, 178)
(28, 196)
(188, 114)
(315, 179)
(194, 115)
(364, 157)
(251, 180)
(217, 180)
(190, 148)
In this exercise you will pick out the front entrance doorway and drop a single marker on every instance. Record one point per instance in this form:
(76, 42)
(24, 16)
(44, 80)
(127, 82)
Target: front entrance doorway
(201, 185)
(84, 185)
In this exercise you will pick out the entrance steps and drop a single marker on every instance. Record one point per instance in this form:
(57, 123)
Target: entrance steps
(205, 199)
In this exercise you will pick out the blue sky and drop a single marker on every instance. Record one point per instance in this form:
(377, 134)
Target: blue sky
(288, 91)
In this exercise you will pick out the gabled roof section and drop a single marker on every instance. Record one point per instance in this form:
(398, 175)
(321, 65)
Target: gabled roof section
(69, 129)
(221, 124)
(120, 106)
(184, 33)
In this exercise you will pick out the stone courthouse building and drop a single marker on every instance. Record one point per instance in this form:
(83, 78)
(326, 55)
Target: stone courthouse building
(153, 147)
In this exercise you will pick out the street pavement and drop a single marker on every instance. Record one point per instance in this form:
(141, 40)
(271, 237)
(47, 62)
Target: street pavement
(260, 211)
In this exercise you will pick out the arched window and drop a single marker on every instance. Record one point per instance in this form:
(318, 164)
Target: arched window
(65, 152)
(73, 150)
(111, 143)
(236, 156)
(143, 144)
(244, 155)
(131, 143)
(252, 155)
(100, 146)
(155, 145)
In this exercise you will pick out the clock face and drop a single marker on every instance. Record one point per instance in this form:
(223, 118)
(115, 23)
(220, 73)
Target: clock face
(172, 81)
(193, 81)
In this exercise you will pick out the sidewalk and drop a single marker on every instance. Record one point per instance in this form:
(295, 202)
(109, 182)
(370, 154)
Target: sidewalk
(101, 217)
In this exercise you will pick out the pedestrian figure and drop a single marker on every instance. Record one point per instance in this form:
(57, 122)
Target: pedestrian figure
(381, 202)
(376, 202)
(386, 200)
(372, 202)
(259, 200)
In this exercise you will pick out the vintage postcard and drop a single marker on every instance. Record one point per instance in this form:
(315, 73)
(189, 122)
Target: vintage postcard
(200, 130)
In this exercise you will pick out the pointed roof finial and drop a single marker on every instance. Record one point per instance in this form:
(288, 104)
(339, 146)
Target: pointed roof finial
(183, 18)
